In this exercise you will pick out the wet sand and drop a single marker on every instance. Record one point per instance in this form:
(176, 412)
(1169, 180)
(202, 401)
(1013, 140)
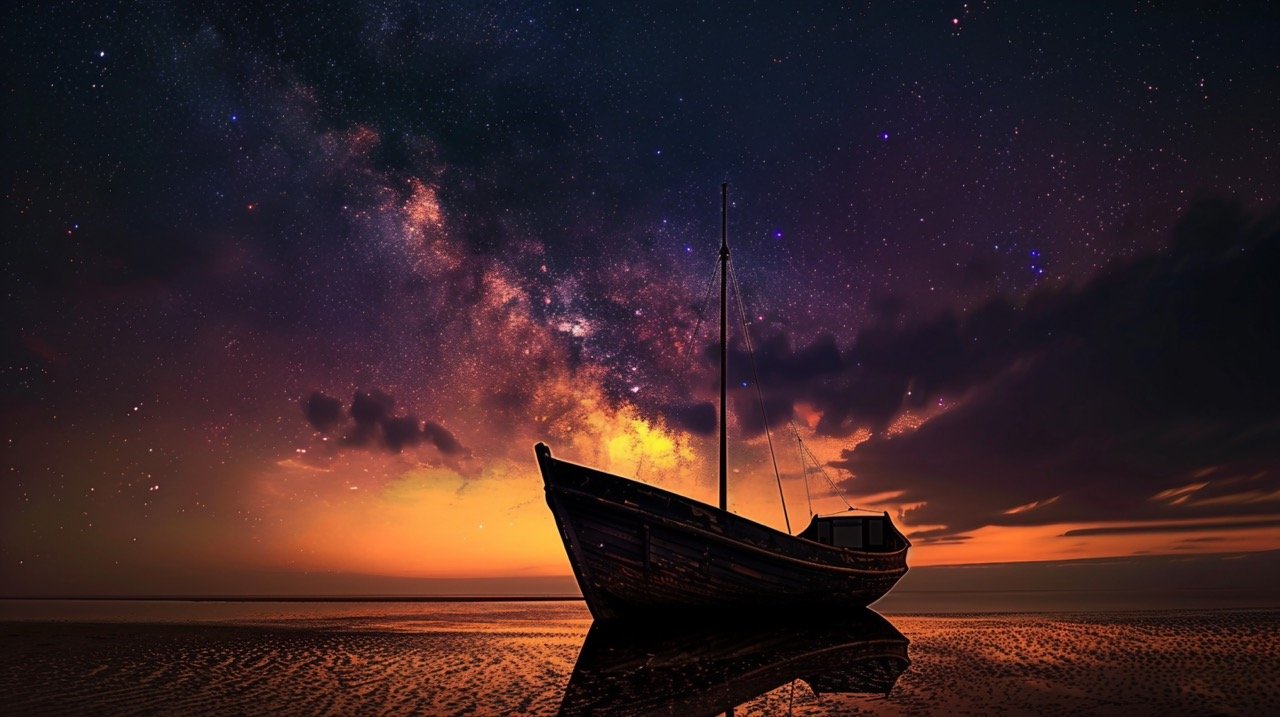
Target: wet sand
(1220, 663)
(506, 658)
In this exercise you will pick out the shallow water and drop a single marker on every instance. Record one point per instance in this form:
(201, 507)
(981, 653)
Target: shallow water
(518, 658)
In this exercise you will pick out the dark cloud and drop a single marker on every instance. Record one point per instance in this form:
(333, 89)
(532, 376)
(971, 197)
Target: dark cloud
(781, 366)
(697, 418)
(785, 376)
(1150, 392)
(891, 369)
(401, 432)
(1175, 528)
(371, 408)
(374, 424)
(940, 539)
(322, 412)
(778, 409)
(442, 439)
(369, 412)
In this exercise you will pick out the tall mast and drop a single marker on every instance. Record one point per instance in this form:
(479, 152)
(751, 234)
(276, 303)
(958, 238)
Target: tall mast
(724, 344)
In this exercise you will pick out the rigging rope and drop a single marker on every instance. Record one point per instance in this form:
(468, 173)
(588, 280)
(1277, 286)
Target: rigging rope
(755, 375)
(706, 301)
(834, 488)
(804, 467)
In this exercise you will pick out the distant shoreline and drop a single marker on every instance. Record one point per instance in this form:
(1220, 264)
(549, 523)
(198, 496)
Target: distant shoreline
(578, 598)
(302, 598)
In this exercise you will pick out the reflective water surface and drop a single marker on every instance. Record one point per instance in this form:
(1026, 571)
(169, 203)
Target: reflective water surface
(547, 659)
(651, 668)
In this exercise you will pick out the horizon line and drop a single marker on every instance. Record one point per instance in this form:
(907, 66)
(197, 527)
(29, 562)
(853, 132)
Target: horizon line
(558, 598)
(304, 598)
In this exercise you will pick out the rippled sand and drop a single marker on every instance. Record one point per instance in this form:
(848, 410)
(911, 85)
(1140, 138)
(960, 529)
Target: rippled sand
(439, 659)
(500, 659)
(1122, 664)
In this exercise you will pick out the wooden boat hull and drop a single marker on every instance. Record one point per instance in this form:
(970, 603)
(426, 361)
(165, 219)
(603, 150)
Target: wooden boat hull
(707, 667)
(639, 550)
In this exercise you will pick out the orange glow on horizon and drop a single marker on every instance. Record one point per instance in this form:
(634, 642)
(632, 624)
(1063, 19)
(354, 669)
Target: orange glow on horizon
(417, 519)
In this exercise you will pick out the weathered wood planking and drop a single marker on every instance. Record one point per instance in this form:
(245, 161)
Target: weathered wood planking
(636, 549)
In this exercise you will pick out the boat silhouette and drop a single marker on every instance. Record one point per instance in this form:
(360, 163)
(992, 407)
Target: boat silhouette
(639, 550)
(676, 668)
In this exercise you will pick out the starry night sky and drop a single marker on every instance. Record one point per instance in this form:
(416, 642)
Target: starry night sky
(295, 287)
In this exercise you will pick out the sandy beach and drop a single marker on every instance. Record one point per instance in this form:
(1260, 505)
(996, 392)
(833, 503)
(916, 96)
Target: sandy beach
(506, 658)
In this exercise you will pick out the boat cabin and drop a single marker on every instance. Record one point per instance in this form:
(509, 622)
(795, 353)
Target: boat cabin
(867, 532)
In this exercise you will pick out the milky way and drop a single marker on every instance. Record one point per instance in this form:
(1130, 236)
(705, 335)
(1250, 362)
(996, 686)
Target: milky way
(297, 288)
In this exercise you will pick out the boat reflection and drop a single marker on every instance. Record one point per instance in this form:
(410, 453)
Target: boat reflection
(674, 668)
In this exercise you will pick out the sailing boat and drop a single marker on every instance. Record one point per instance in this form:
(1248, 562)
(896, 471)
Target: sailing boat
(638, 550)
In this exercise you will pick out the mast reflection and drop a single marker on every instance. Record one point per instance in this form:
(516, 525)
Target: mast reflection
(707, 668)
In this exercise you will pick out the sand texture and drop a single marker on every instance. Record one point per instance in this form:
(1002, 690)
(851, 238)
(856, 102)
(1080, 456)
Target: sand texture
(516, 659)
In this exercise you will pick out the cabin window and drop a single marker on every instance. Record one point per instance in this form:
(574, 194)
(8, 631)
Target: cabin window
(875, 532)
(847, 534)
